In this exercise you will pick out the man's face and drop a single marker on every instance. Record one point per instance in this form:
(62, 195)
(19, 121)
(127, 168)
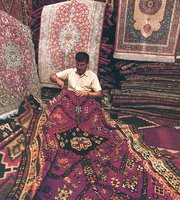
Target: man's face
(81, 67)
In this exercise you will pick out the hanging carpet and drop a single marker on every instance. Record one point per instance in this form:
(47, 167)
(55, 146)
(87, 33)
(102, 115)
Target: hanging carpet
(37, 7)
(147, 30)
(17, 63)
(66, 28)
(19, 9)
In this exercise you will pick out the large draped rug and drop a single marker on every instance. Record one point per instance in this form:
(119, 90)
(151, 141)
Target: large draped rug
(17, 63)
(147, 30)
(73, 150)
(66, 28)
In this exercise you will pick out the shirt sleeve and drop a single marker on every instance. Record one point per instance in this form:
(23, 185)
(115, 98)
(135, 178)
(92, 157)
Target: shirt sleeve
(63, 74)
(96, 84)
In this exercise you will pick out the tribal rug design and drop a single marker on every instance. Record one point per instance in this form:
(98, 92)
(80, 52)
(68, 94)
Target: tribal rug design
(147, 30)
(14, 147)
(66, 28)
(75, 151)
(157, 132)
(137, 121)
(17, 63)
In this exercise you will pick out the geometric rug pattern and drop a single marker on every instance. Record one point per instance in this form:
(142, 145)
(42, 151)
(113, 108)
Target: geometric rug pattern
(73, 149)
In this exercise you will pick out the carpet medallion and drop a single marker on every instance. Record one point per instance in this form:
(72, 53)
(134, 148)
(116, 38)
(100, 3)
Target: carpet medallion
(147, 30)
(66, 28)
(17, 63)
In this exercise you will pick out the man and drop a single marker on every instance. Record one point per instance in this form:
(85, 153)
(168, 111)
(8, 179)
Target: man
(81, 79)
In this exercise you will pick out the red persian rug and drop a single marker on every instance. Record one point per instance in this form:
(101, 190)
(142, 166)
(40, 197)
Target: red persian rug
(17, 63)
(73, 150)
(66, 28)
(147, 30)
(37, 7)
(19, 9)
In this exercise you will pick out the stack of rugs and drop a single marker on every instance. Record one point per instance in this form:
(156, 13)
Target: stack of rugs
(106, 62)
(150, 89)
(105, 69)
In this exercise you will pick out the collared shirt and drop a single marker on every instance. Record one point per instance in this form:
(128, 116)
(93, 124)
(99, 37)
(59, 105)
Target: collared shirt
(86, 82)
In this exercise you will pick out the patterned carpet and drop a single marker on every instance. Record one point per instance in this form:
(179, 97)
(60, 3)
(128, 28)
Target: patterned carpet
(143, 28)
(18, 70)
(162, 133)
(156, 132)
(73, 150)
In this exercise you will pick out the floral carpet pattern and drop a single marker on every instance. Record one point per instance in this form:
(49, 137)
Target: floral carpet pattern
(66, 28)
(19, 9)
(74, 150)
(145, 30)
(18, 69)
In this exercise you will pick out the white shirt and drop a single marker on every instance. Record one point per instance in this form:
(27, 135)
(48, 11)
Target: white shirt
(86, 82)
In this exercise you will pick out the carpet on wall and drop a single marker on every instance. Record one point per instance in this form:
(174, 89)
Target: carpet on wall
(18, 9)
(147, 30)
(105, 67)
(17, 63)
(66, 28)
(74, 150)
(35, 22)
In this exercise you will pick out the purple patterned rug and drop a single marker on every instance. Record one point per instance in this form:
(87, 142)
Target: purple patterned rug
(164, 137)
(155, 132)
(87, 157)
(73, 150)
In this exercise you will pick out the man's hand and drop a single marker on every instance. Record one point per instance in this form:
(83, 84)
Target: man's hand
(93, 94)
(81, 94)
(54, 78)
(60, 83)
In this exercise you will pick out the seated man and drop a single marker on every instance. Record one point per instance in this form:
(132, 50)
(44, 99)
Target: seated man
(81, 80)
